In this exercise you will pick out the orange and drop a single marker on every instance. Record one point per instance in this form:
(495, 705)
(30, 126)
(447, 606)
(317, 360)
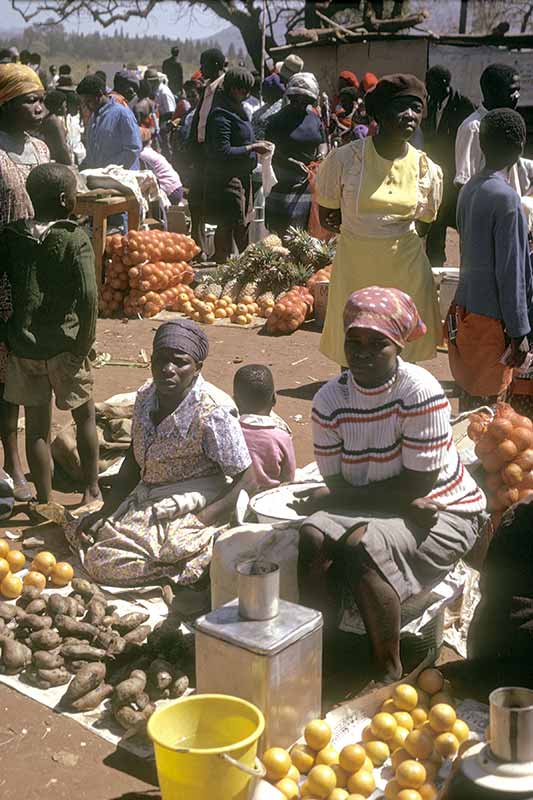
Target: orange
(341, 775)
(362, 782)
(408, 794)
(378, 752)
(5, 569)
(446, 745)
(16, 560)
(367, 735)
(36, 579)
(43, 562)
(427, 792)
(277, 763)
(356, 797)
(392, 789)
(383, 726)
(424, 699)
(419, 716)
(430, 681)
(389, 706)
(442, 717)
(419, 744)
(4, 548)
(460, 730)
(405, 696)
(321, 780)
(11, 587)
(303, 758)
(338, 794)
(293, 774)
(352, 757)
(61, 574)
(442, 697)
(328, 755)
(288, 788)
(431, 768)
(404, 719)
(411, 774)
(368, 765)
(399, 756)
(317, 734)
(400, 735)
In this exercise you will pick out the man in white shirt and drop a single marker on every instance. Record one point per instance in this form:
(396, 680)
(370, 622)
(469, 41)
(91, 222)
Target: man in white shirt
(500, 87)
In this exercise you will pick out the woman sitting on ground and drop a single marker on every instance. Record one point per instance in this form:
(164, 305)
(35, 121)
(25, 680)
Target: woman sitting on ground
(399, 509)
(171, 492)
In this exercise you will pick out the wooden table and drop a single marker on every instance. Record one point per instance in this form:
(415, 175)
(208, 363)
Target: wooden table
(101, 204)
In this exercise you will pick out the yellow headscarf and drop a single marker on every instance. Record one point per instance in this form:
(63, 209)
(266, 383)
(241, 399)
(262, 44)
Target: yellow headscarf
(17, 80)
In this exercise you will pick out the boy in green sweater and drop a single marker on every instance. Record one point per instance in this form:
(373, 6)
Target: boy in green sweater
(49, 261)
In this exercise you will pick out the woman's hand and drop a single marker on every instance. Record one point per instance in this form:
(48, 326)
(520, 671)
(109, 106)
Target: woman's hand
(261, 148)
(425, 512)
(310, 500)
(90, 525)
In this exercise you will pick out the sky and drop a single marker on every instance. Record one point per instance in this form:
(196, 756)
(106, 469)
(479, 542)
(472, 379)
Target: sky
(164, 21)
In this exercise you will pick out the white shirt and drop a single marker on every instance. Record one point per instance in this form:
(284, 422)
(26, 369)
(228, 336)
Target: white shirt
(165, 99)
(251, 106)
(469, 158)
(205, 106)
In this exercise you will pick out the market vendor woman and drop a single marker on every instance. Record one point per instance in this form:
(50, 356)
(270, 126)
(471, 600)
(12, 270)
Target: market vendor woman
(399, 509)
(171, 492)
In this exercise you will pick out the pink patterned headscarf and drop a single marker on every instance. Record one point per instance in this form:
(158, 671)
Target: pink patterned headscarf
(388, 311)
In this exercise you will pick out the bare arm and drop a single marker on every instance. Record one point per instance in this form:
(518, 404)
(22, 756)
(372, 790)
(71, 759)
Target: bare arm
(219, 511)
(126, 480)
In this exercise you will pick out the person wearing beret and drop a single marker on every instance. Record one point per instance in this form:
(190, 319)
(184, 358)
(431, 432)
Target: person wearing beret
(180, 479)
(380, 194)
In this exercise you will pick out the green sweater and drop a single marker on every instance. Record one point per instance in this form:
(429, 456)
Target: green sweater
(53, 287)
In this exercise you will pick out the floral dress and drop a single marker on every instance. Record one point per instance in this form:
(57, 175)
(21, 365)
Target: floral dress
(15, 204)
(184, 461)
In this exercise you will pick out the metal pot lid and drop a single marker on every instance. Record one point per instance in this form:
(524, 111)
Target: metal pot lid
(485, 770)
(265, 637)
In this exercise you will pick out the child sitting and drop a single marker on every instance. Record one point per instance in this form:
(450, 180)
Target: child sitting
(268, 437)
(166, 175)
(49, 262)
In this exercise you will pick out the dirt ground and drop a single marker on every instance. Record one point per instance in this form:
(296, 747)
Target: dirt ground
(67, 760)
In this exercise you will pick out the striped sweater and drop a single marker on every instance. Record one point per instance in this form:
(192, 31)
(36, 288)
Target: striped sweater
(369, 435)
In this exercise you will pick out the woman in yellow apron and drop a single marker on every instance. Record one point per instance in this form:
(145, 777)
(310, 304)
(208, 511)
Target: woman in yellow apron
(378, 192)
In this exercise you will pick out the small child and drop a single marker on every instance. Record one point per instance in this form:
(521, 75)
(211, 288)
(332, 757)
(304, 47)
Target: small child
(166, 175)
(268, 437)
(49, 262)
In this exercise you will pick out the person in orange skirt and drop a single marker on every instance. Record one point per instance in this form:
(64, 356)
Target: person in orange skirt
(495, 292)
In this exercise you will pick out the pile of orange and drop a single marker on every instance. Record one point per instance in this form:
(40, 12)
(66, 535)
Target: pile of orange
(210, 308)
(44, 566)
(414, 731)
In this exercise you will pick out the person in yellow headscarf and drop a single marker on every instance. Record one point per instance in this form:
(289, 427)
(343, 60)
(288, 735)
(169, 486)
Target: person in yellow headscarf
(380, 193)
(21, 113)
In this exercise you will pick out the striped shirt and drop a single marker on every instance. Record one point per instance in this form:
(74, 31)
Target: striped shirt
(369, 435)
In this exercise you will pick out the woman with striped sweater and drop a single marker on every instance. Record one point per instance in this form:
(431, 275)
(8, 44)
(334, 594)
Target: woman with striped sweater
(398, 509)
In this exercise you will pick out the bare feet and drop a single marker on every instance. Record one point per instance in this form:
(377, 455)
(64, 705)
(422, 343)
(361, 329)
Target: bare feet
(91, 495)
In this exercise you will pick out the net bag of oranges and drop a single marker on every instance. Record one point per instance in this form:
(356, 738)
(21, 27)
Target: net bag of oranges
(504, 445)
(146, 272)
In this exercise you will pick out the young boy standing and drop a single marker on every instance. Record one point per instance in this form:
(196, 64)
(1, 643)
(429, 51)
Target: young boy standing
(495, 289)
(50, 265)
(267, 436)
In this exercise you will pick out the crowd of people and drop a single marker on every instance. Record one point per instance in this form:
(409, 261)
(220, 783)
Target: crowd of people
(384, 164)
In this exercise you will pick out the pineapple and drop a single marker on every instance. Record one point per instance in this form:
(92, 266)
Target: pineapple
(232, 289)
(271, 241)
(214, 288)
(248, 290)
(265, 299)
(201, 291)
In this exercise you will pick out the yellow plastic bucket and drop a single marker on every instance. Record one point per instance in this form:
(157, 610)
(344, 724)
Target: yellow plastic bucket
(206, 746)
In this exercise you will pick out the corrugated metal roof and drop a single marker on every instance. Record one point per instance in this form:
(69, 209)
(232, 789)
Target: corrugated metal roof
(509, 41)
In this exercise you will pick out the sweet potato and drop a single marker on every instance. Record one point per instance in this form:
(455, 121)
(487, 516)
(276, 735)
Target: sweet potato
(137, 635)
(84, 588)
(29, 593)
(57, 604)
(109, 620)
(179, 686)
(131, 621)
(95, 612)
(53, 677)
(37, 606)
(134, 721)
(74, 608)
(160, 674)
(92, 699)
(35, 623)
(44, 659)
(45, 640)
(82, 652)
(142, 700)
(127, 691)
(87, 678)
(75, 666)
(15, 656)
(68, 626)
(7, 611)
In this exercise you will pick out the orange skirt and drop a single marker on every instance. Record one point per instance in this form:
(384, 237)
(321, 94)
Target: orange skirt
(475, 355)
